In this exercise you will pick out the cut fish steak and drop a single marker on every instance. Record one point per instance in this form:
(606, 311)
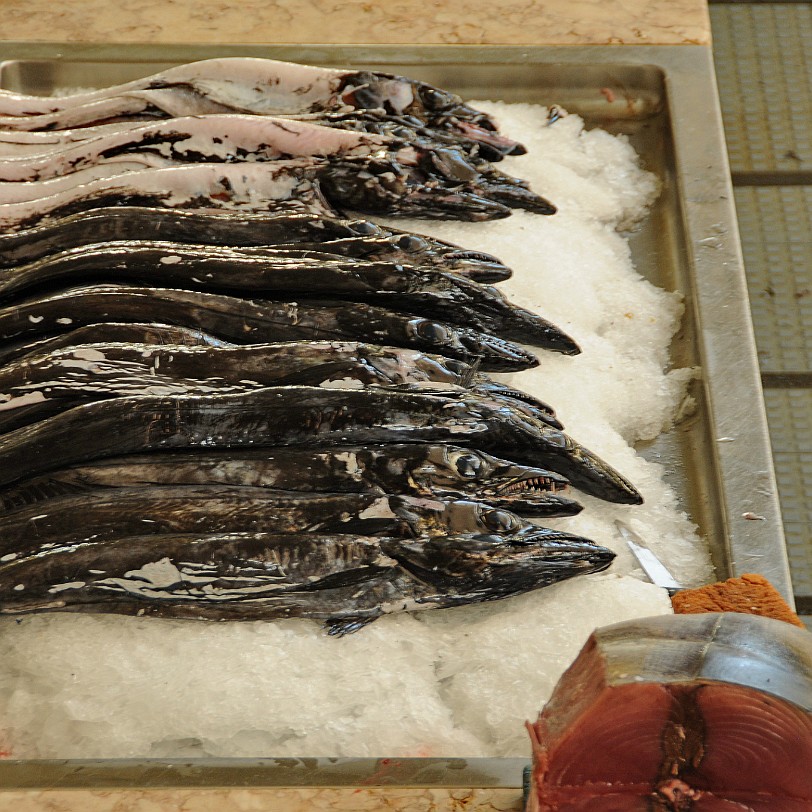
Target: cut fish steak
(681, 713)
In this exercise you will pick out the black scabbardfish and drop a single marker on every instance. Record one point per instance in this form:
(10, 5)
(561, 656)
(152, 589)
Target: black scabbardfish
(104, 514)
(345, 581)
(436, 471)
(292, 273)
(310, 416)
(244, 321)
(51, 382)
(111, 332)
(353, 238)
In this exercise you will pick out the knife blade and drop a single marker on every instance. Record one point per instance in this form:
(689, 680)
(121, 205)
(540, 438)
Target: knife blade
(654, 569)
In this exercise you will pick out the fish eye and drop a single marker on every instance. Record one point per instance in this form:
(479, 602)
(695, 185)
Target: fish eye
(434, 99)
(432, 331)
(499, 521)
(411, 243)
(364, 228)
(468, 465)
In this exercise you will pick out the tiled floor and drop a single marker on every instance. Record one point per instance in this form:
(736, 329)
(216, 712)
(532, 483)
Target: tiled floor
(763, 54)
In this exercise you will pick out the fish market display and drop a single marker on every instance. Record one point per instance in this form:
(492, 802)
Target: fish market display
(226, 396)
(689, 712)
(72, 393)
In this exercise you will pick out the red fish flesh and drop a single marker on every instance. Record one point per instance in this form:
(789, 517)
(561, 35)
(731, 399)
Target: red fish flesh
(684, 713)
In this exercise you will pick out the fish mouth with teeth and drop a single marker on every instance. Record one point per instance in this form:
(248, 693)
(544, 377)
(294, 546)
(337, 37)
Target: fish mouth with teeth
(532, 484)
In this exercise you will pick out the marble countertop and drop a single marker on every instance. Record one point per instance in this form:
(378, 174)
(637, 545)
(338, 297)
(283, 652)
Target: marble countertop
(510, 22)
(264, 800)
(456, 22)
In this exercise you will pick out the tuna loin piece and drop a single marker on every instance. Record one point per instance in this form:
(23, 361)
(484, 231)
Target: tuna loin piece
(684, 713)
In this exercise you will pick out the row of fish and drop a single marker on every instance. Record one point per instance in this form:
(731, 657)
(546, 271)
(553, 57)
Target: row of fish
(276, 410)
(258, 135)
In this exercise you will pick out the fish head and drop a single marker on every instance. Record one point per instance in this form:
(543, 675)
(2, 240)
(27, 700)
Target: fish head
(461, 342)
(409, 98)
(481, 475)
(399, 182)
(477, 265)
(494, 566)
(398, 365)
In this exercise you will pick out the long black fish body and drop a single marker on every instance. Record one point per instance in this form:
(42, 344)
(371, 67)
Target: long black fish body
(417, 250)
(59, 379)
(246, 321)
(310, 416)
(445, 472)
(274, 274)
(345, 581)
(179, 225)
(108, 333)
(354, 238)
(102, 514)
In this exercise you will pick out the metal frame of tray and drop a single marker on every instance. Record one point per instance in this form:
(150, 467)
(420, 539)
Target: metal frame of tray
(718, 459)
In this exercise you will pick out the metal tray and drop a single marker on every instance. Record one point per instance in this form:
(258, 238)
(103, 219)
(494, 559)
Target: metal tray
(664, 98)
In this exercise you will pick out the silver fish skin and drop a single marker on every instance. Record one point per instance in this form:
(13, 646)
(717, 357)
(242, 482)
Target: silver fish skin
(291, 185)
(378, 181)
(193, 139)
(344, 581)
(357, 170)
(304, 416)
(262, 86)
(445, 472)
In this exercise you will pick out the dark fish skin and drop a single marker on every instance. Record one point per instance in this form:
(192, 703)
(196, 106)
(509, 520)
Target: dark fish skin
(111, 332)
(385, 186)
(252, 322)
(485, 144)
(259, 272)
(438, 109)
(104, 514)
(59, 379)
(432, 471)
(416, 250)
(304, 416)
(345, 581)
(177, 225)
(355, 238)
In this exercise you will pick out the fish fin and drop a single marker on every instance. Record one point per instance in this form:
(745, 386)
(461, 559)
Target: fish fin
(470, 374)
(339, 626)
